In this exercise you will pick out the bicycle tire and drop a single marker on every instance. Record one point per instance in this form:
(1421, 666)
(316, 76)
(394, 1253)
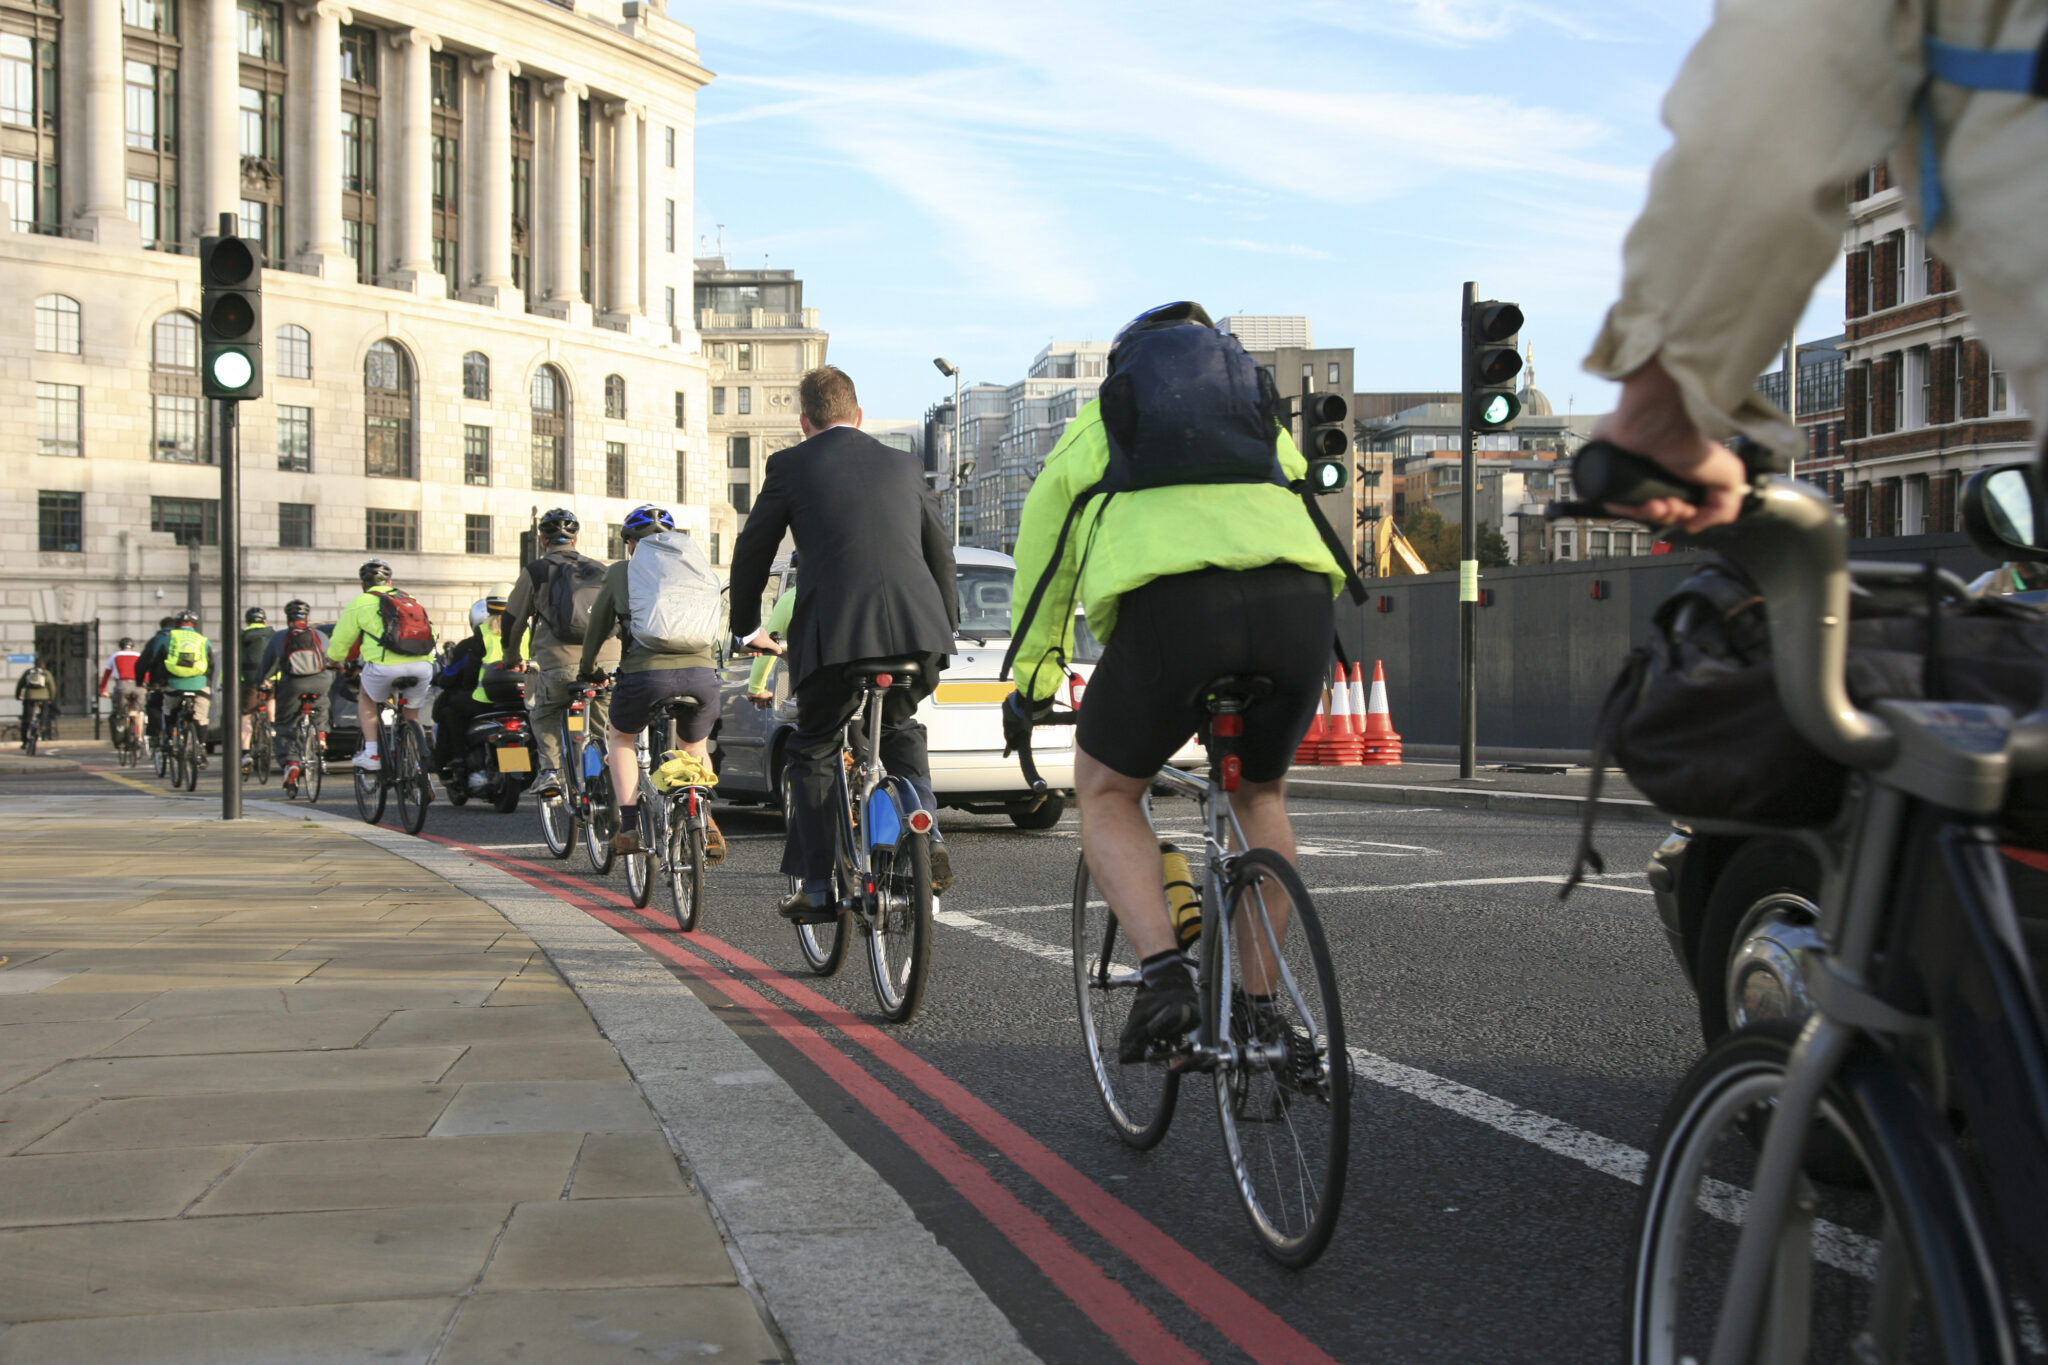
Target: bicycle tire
(159, 754)
(312, 762)
(900, 936)
(557, 824)
(30, 732)
(1139, 1098)
(653, 822)
(260, 746)
(415, 789)
(1890, 1265)
(823, 946)
(598, 827)
(684, 874)
(371, 793)
(194, 747)
(1292, 1188)
(173, 766)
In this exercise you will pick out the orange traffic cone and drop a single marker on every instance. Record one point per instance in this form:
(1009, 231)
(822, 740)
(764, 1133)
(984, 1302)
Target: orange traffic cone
(1343, 748)
(1382, 745)
(1310, 752)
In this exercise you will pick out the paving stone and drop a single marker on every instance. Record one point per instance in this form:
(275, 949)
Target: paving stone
(385, 1172)
(256, 1116)
(393, 1332)
(176, 977)
(596, 1243)
(98, 1187)
(530, 989)
(126, 1077)
(554, 1023)
(358, 995)
(439, 967)
(57, 1009)
(625, 1166)
(261, 1261)
(247, 1032)
(590, 1060)
(28, 981)
(611, 1327)
(23, 1121)
(545, 1107)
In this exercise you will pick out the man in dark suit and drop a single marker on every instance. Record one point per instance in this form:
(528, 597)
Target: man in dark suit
(877, 583)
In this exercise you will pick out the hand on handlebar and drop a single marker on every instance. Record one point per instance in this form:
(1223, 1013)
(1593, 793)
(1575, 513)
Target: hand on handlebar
(593, 677)
(1650, 420)
(761, 642)
(1020, 713)
(764, 700)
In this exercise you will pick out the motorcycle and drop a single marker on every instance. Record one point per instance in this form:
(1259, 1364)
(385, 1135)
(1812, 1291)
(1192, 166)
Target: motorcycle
(496, 761)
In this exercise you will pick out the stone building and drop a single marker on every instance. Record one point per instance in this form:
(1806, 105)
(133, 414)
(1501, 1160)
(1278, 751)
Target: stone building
(468, 213)
(759, 339)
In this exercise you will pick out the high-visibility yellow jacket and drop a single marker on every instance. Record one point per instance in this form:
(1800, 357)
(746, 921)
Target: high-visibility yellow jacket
(363, 621)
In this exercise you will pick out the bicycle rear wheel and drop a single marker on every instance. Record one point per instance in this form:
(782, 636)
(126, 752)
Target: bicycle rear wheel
(1873, 1262)
(312, 761)
(900, 939)
(1285, 1099)
(171, 760)
(194, 746)
(370, 792)
(160, 752)
(260, 753)
(600, 824)
(823, 945)
(29, 736)
(653, 823)
(1139, 1098)
(415, 788)
(683, 872)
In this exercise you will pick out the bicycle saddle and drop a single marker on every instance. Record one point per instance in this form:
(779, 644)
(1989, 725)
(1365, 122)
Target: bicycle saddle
(680, 705)
(1240, 688)
(895, 668)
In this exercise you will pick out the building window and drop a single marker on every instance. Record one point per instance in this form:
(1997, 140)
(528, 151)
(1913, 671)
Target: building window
(294, 439)
(476, 534)
(359, 57)
(746, 400)
(387, 420)
(739, 452)
(743, 358)
(522, 184)
(668, 301)
(476, 455)
(29, 115)
(742, 497)
(668, 155)
(177, 413)
(550, 408)
(193, 521)
(150, 119)
(669, 224)
(714, 547)
(615, 397)
(1918, 387)
(145, 210)
(60, 522)
(476, 377)
(682, 477)
(295, 526)
(1336, 373)
(359, 106)
(446, 176)
(615, 541)
(682, 409)
(718, 402)
(2001, 392)
(390, 529)
(294, 352)
(261, 34)
(60, 419)
(17, 81)
(615, 469)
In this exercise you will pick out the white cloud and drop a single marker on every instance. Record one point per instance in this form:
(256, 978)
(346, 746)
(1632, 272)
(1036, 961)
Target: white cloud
(1308, 253)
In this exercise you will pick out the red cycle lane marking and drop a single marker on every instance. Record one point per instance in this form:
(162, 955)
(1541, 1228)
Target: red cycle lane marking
(1255, 1328)
(1134, 1328)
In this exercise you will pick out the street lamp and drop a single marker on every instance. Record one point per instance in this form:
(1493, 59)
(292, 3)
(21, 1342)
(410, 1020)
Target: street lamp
(947, 367)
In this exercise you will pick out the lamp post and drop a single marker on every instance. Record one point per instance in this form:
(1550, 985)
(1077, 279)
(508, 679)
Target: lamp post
(947, 367)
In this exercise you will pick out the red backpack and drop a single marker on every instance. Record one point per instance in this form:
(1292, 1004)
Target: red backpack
(305, 651)
(407, 630)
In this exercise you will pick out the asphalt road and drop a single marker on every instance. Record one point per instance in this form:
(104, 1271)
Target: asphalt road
(1522, 1053)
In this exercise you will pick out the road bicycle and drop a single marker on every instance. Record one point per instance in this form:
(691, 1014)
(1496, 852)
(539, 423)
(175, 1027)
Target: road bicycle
(1871, 1186)
(586, 789)
(673, 824)
(34, 725)
(307, 745)
(184, 746)
(402, 767)
(1271, 1031)
(881, 859)
(124, 730)
(159, 750)
(261, 749)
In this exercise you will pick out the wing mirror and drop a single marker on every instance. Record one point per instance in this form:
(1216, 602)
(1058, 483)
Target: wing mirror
(1998, 507)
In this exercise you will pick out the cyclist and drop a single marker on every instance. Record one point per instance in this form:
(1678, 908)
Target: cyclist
(256, 636)
(361, 631)
(1745, 212)
(647, 676)
(148, 674)
(881, 586)
(187, 663)
(532, 642)
(297, 657)
(777, 625)
(119, 670)
(472, 680)
(35, 690)
(1183, 584)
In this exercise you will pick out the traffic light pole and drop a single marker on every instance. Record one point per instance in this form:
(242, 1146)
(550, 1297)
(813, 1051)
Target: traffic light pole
(1468, 556)
(228, 698)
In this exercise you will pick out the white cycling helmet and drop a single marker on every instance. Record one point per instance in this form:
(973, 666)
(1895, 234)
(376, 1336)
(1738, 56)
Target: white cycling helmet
(479, 612)
(497, 595)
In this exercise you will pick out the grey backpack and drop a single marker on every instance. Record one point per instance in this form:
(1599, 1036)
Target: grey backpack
(674, 594)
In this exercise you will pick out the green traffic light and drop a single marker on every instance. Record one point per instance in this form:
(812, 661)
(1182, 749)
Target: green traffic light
(232, 370)
(1327, 476)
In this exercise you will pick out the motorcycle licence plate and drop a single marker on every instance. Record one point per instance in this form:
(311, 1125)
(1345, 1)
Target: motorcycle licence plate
(513, 758)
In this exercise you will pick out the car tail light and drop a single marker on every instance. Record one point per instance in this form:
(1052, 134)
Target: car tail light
(513, 723)
(1077, 687)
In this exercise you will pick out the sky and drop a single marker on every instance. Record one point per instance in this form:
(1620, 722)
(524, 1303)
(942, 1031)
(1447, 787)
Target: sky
(974, 180)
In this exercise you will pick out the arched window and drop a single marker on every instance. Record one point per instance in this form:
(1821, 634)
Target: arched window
(294, 352)
(57, 324)
(550, 430)
(177, 412)
(615, 397)
(476, 376)
(387, 406)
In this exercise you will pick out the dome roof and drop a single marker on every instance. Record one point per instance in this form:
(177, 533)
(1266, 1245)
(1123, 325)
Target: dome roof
(1534, 404)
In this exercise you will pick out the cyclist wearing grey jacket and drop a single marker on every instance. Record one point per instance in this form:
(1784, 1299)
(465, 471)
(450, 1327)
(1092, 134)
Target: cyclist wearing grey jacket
(553, 662)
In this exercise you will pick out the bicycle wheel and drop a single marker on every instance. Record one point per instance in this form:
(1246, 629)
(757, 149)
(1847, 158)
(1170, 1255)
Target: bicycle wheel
(415, 787)
(159, 754)
(194, 747)
(1139, 1098)
(652, 817)
(260, 746)
(29, 736)
(312, 761)
(1285, 1100)
(900, 941)
(557, 823)
(370, 792)
(171, 763)
(602, 820)
(683, 870)
(1881, 1267)
(823, 945)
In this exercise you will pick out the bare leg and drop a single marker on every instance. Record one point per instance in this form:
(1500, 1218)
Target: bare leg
(1123, 853)
(366, 714)
(624, 761)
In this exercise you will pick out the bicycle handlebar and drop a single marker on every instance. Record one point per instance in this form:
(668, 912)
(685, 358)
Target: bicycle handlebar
(1604, 473)
(1017, 738)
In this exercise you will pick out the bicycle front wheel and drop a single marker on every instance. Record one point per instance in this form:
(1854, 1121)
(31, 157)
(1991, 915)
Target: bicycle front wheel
(823, 945)
(260, 753)
(370, 792)
(415, 788)
(557, 823)
(900, 937)
(1284, 1095)
(1138, 1097)
(312, 762)
(1870, 1264)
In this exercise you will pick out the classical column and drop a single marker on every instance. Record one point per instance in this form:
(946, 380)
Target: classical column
(415, 268)
(103, 208)
(319, 94)
(220, 120)
(628, 219)
(565, 217)
(494, 181)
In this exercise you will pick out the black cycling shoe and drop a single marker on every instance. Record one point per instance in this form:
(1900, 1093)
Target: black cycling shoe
(942, 866)
(1161, 1016)
(799, 910)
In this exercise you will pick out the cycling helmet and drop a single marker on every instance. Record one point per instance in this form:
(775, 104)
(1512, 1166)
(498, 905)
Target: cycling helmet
(374, 571)
(645, 521)
(255, 616)
(497, 595)
(127, 643)
(479, 612)
(187, 617)
(296, 610)
(558, 525)
(1165, 315)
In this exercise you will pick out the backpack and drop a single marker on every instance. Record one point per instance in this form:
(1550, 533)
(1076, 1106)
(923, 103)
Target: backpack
(304, 652)
(574, 582)
(186, 654)
(674, 595)
(407, 628)
(38, 678)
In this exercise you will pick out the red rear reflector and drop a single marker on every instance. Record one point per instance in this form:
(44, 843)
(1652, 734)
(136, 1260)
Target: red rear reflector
(1233, 769)
(921, 822)
(514, 723)
(884, 679)
(1228, 726)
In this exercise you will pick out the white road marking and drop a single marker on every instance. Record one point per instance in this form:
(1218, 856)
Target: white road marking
(1544, 880)
(1009, 938)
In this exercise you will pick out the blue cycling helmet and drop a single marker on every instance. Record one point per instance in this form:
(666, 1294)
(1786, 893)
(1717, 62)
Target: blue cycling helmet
(646, 521)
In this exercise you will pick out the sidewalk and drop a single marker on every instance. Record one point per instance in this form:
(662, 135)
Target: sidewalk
(1496, 786)
(271, 1093)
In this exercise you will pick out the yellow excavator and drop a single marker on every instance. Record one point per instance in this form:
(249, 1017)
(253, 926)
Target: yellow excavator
(1392, 552)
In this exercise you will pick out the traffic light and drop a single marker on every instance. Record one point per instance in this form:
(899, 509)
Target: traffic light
(1492, 360)
(1324, 442)
(230, 316)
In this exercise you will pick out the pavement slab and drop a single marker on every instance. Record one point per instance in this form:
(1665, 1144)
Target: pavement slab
(604, 1243)
(248, 1032)
(380, 1173)
(553, 1023)
(350, 1069)
(258, 1116)
(97, 1187)
(588, 1060)
(545, 1107)
(391, 1332)
(625, 1166)
(611, 1327)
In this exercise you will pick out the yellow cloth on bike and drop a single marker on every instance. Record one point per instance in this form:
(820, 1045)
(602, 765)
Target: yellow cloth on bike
(683, 770)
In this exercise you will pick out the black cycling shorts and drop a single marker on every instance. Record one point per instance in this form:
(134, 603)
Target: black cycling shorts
(1174, 636)
(635, 695)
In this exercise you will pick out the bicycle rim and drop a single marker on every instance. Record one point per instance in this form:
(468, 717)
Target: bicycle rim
(900, 938)
(1848, 1282)
(683, 873)
(194, 747)
(1285, 1103)
(312, 764)
(557, 824)
(598, 826)
(370, 794)
(415, 788)
(1138, 1098)
(640, 866)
